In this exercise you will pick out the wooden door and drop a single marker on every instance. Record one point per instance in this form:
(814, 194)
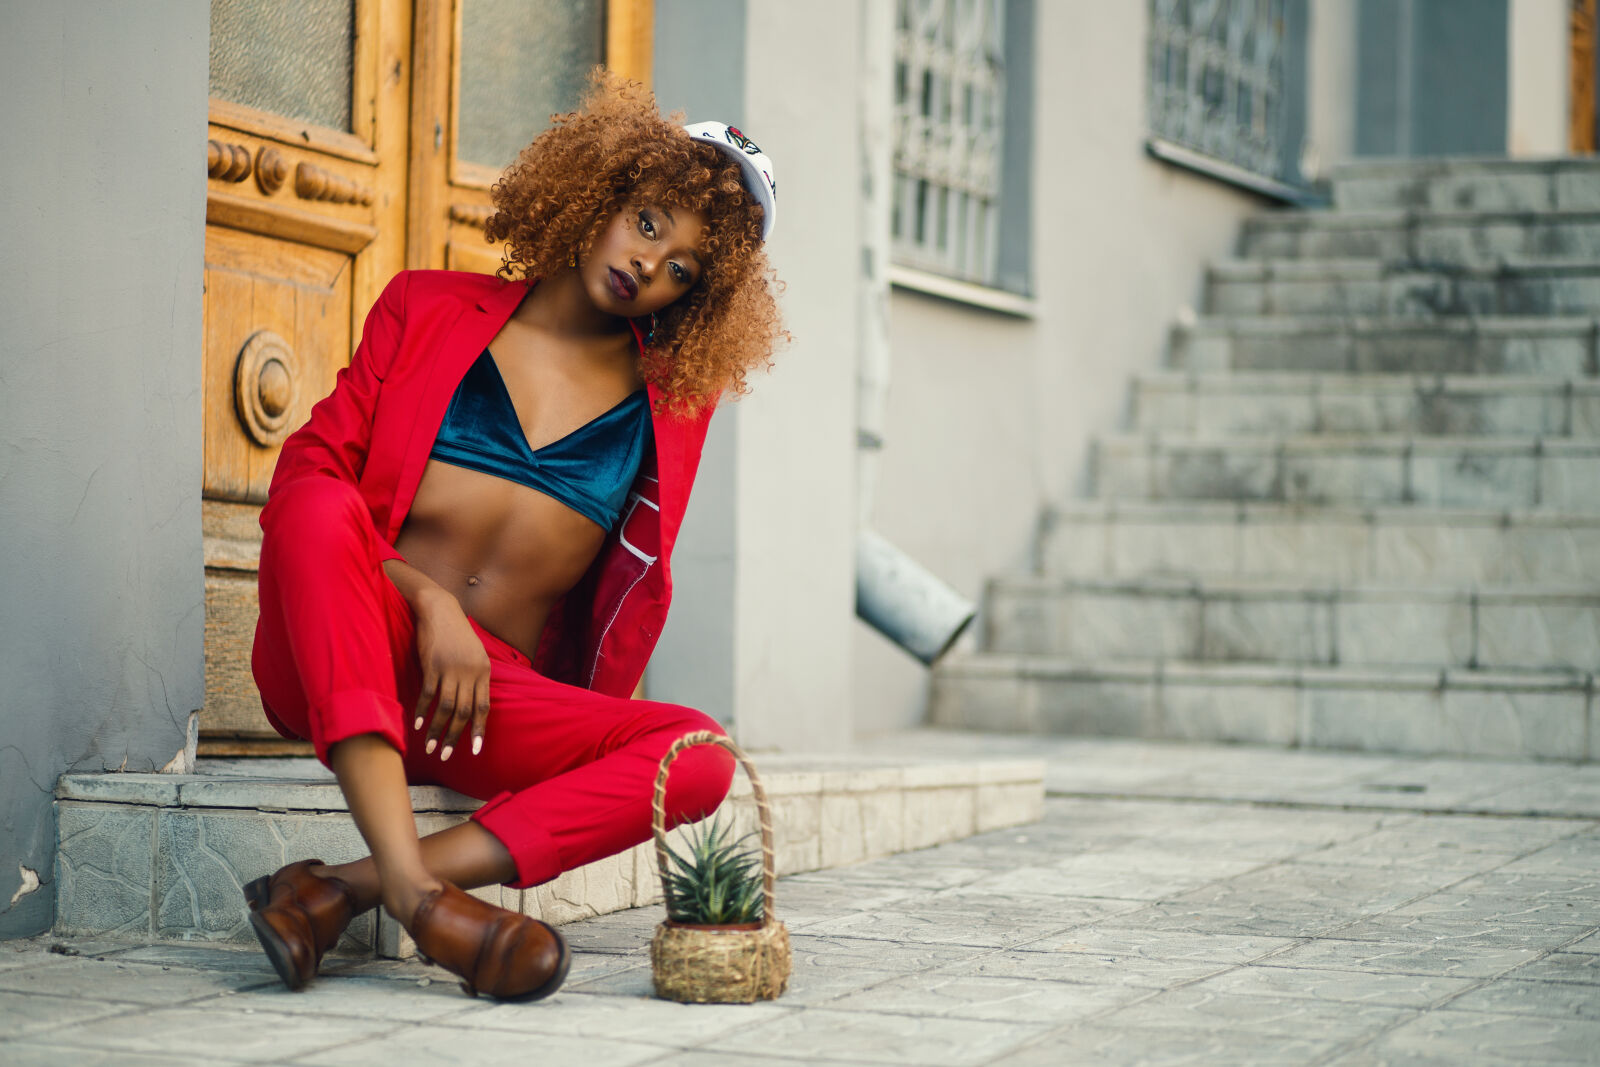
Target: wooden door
(474, 57)
(347, 139)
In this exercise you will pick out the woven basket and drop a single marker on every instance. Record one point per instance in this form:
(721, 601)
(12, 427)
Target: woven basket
(719, 964)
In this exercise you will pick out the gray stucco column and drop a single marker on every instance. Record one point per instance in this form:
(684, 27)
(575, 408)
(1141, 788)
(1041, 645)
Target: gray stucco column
(103, 226)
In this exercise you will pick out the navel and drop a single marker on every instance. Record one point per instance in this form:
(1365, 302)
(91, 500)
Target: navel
(472, 579)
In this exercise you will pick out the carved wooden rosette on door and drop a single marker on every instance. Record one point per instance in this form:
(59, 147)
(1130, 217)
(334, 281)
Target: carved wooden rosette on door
(305, 217)
(348, 139)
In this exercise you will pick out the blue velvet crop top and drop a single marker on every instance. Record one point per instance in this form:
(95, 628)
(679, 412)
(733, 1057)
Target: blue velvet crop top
(590, 470)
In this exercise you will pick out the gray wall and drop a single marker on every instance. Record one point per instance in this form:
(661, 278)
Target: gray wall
(1431, 77)
(101, 600)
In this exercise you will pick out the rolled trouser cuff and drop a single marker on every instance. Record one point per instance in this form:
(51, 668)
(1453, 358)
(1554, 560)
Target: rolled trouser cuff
(352, 713)
(532, 848)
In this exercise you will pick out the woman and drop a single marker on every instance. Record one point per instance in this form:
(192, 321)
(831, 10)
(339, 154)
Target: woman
(464, 566)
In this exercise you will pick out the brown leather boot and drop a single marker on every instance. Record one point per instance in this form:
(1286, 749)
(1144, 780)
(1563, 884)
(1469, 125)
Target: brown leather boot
(495, 951)
(298, 917)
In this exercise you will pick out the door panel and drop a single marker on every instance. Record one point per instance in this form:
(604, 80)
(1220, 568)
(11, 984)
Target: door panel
(471, 58)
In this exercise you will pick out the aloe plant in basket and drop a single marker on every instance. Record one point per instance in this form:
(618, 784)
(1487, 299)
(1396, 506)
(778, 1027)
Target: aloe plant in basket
(716, 882)
(721, 942)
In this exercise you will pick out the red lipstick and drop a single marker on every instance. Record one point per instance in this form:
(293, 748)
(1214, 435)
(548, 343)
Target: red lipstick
(623, 285)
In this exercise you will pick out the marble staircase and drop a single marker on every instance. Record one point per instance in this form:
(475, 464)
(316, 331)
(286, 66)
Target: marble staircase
(1359, 508)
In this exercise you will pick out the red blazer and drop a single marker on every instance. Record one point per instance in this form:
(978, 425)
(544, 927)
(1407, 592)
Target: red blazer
(376, 428)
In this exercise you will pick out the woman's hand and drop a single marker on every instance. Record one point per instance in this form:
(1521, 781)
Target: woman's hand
(455, 670)
(455, 667)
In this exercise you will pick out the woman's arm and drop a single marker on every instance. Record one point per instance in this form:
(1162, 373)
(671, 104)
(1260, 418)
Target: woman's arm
(455, 668)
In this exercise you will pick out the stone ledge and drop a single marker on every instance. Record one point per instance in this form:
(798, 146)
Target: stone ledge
(152, 856)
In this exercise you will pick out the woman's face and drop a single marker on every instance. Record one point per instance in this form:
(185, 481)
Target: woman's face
(645, 258)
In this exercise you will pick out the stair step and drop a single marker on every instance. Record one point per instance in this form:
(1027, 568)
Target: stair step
(1368, 287)
(1370, 469)
(1469, 184)
(162, 856)
(1296, 621)
(1559, 347)
(1457, 237)
(1453, 712)
(1213, 405)
(1125, 539)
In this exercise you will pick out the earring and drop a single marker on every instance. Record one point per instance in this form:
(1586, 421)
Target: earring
(650, 338)
(572, 258)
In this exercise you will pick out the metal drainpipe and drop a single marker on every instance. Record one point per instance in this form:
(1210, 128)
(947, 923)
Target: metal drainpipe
(894, 595)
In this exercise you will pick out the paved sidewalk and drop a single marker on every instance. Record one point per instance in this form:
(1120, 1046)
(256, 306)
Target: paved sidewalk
(1177, 904)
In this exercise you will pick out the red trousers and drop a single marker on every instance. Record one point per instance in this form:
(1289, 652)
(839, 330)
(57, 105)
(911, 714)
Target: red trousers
(567, 772)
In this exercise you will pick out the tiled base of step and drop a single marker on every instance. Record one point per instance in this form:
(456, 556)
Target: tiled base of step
(162, 857)
(1401, 544)
(1517, 628)
(1563, 347)
(1423, 236)
(1210, 406)
(1370, 287)
(1438, 472)
(1492, 184)
(1462, 713)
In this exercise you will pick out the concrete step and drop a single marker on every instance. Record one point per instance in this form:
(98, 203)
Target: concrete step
(1296, 621)
(163, 856)
(1451, 712)
(1288, 402)
(1410, 545)
(1441, 472)
(1419, 290)
(1496, 184)
(1558, 347)
(1458, 237)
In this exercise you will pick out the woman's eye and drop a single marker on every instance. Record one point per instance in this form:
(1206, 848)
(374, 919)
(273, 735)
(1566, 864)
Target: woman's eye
(647, 226)
(679, 273)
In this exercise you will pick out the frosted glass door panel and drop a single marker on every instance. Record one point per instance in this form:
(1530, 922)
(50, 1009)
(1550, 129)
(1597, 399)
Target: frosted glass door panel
(292, 59)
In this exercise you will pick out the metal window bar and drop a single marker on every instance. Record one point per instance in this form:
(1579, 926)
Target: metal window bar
(948, 120)
(1216, 80)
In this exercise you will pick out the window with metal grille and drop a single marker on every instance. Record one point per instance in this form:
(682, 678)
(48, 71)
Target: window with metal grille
(949, 143)
(1226, 89)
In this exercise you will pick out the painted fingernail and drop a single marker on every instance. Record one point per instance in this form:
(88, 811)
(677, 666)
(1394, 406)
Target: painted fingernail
(477, 745)
(418, 724)
(445, 754)
(432, 744)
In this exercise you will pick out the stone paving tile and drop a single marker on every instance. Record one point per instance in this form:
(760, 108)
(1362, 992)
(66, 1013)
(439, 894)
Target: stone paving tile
(484, 1048)
(880, 1038)
(1142, 943)
(1194, 1008)
(188, 1034)
(40, 1054)
(860, 953)
(704, 1058)
(35, 1014)
(1100, 1044)
(1553, 1000)
(1351, 987)
(993, 999)
(642, 1019)
(1450, 960)
(1426, 929)
(1579, 967)
(429, 998)
(1458, 1038)
(1085, 967)
(139, 983)
(944, 928)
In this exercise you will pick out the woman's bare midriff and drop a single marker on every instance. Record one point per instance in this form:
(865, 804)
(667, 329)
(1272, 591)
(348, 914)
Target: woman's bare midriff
(506, 551)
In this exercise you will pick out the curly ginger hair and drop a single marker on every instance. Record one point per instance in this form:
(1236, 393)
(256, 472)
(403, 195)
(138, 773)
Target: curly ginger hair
(617, 151)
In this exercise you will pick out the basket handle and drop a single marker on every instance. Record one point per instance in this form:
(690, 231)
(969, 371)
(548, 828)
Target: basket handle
(658, 813)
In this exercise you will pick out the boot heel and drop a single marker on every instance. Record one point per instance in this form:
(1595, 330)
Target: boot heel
(255, 893)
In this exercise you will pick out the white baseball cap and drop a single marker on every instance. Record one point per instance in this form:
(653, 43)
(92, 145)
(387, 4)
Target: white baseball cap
(755, 163)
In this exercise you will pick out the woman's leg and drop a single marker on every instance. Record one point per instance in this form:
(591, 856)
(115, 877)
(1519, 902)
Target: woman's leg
(334, 651)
